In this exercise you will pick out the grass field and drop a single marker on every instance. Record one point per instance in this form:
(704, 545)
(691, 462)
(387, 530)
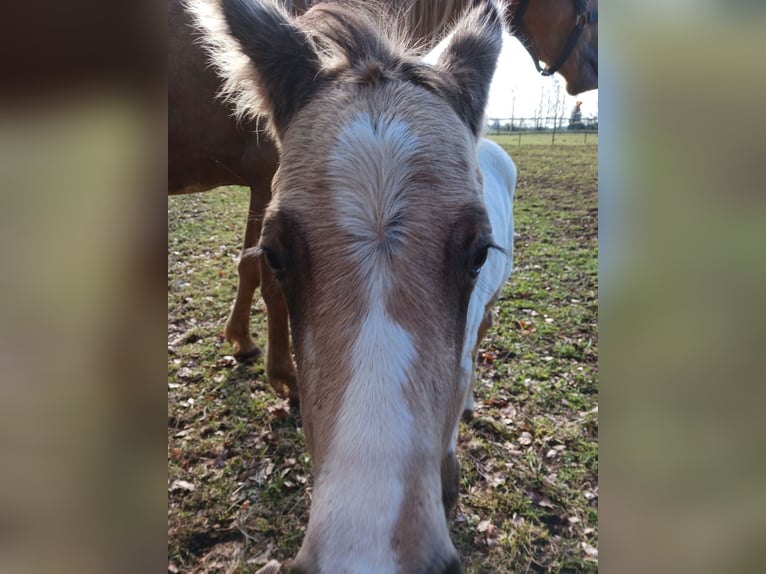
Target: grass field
(238, 468)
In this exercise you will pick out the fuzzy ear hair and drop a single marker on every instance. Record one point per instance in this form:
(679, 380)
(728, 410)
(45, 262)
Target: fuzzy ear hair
(470, 60)
(267, 62)
(282, 55)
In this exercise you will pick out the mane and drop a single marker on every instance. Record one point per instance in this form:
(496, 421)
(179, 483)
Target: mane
(426, 21)
(365, 42)
(431, 20)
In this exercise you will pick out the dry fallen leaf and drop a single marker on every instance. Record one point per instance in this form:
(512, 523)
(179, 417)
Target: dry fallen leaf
(489, 531)
(272, 567)
(181, 485)
(496, 402)
(278, 412)
(526, 327)
(590, 551)
(511, 449)
(545, 502)
(263, 557)
(268, 470)
(508, 413)
(525, 439)
(555, 451)
(226, 361)
(550, 480)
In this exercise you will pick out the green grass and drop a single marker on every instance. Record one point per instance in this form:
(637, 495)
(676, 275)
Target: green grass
(529, 481)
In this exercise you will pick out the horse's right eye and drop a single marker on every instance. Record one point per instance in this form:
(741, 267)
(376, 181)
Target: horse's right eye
(478, 260)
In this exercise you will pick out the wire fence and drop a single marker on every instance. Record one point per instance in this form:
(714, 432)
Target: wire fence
(545, 130)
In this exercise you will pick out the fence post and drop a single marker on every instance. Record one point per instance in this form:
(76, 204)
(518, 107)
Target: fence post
(553, 134)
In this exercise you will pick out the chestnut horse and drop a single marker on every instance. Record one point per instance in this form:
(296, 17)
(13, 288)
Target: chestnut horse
(208, 148)
(376, 234)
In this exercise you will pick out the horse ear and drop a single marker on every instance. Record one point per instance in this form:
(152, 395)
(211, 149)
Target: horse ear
(470, 60)
(284, 63)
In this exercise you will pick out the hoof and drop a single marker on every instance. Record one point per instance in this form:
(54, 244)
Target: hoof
(249, 355)
(286, 387)
(245, 349)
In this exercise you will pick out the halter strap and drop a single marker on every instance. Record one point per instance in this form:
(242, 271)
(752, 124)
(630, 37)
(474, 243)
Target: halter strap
(583, 18)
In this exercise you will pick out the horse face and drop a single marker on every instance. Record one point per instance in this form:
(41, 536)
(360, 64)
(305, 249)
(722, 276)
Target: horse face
(376, 233)
(546, 28)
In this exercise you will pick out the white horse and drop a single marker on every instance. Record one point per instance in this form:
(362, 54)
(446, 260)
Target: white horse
(499, 173)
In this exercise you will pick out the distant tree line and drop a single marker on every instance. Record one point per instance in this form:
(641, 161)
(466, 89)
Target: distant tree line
(541, 124)
(550, 114)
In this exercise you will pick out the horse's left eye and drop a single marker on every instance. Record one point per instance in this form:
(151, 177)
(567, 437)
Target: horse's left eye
(477, 261)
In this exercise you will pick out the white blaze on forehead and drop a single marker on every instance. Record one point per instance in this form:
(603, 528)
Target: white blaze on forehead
(359, 493)
(368, 172)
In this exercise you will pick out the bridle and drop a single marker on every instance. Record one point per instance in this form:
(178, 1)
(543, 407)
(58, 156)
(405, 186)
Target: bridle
(584, 18)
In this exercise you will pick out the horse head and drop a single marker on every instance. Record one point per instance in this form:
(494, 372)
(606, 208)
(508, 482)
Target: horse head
(563, 34)
(376, 234)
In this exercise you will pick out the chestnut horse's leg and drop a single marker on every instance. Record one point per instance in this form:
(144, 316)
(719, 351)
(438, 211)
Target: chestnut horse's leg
(253, 273)
(260, 158)
(237, 328)
(280, 368)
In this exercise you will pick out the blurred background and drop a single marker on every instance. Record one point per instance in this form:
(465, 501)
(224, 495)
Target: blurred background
(682, 277)
(522, 100)
(82, 250)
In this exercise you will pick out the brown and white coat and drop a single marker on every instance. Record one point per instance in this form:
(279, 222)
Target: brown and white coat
(376, 233)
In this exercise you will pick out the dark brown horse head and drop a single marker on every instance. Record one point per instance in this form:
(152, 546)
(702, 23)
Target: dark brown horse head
(563, 34)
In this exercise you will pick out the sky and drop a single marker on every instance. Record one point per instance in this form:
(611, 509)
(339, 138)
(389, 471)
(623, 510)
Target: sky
(516, 76)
